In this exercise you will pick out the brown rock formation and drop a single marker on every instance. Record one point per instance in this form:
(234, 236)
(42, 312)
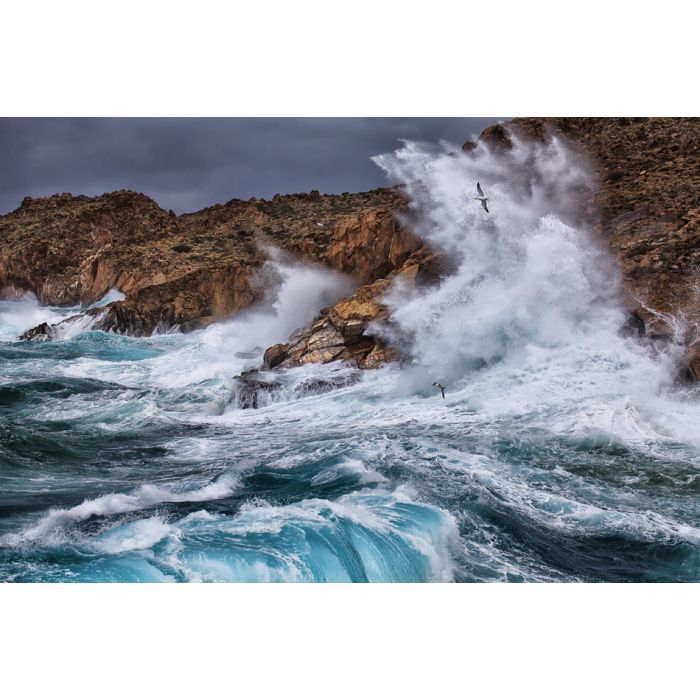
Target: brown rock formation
(343, 331)
(647, 205)
(192, 269)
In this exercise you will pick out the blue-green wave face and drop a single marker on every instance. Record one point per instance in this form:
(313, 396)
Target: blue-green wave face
(562, 451)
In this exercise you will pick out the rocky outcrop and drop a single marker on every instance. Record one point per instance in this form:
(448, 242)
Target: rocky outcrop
(322, 385)
(190, 270)
(646, 205)
(254, 389)
(356, 328)
(41, 332)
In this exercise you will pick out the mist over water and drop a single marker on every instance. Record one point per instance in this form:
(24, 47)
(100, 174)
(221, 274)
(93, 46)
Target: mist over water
(563, 450)
(18, 316)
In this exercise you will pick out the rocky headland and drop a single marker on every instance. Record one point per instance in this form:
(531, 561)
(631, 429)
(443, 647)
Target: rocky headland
(190, 270)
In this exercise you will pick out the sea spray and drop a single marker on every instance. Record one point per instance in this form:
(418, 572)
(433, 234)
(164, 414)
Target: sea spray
(532, 304)
(19, 315)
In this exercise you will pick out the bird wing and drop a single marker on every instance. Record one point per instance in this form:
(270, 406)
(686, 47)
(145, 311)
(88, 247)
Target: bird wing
(483, 204)
(479, 190)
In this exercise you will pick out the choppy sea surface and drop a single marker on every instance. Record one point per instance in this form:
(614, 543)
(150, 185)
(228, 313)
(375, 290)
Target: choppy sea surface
(564, 449)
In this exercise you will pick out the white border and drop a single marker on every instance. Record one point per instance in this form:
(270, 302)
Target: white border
(366, 58)
(349, 641)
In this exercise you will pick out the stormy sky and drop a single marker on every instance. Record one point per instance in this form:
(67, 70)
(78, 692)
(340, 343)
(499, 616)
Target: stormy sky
(187, 164)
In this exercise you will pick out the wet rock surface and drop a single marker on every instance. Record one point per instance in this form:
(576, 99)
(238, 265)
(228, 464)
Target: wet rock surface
(43, 331)
(356, 329)
(322, 385)
(254, 389)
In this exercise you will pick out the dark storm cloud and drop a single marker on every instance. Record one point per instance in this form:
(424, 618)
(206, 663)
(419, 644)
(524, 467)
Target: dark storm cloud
(187, 164)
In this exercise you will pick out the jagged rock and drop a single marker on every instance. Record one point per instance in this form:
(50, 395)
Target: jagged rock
(187, 271)
(321, 356)
(342, 331)
(353, 330)
(379, 355)
(497, 137)
(252, 391)
(322, 385)
(275, 355)
(326, 336)
(41, 332)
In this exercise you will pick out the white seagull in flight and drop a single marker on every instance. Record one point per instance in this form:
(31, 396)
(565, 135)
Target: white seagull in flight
(481, 197)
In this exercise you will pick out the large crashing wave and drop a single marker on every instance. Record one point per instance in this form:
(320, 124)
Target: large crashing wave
(533, 298)
(523, 272)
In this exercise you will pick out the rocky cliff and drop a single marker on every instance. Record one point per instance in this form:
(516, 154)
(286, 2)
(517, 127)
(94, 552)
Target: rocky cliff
(646, 207)
(192, 269)
(343, 331)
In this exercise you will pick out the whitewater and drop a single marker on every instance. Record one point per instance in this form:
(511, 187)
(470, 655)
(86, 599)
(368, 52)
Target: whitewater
(564, 450)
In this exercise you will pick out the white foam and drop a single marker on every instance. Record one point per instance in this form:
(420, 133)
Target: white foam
(529, 321)
(206, 359)
(20, 315)
(354, 467)
(114, 294)
(138, 535)
(72, 327)
(146, 496)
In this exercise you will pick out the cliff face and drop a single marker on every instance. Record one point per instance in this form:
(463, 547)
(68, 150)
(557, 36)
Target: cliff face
(192, 269)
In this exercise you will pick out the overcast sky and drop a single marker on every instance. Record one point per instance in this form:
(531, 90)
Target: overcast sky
(187, 164)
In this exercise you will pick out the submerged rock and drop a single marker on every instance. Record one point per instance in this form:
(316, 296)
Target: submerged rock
(255, 389)
(251, 390)
(634, 326)
(249, 355)
(43, 331)
(322, 385)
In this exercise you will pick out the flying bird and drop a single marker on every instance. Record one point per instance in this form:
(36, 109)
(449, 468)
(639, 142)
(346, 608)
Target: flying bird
(441, 387)
(481, 197)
